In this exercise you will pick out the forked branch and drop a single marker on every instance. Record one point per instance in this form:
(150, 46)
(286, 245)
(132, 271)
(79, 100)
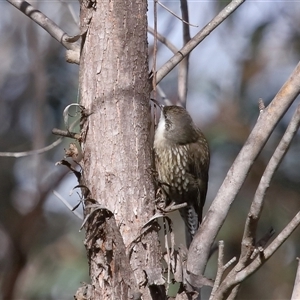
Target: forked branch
(235, 277)
(218, 211)
(251, 255)
(248, 243)
(194, 42)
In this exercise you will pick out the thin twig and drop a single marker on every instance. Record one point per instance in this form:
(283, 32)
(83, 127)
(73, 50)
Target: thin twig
(66, 203)
(66, 133)
(183, 69)
(220, 270)
(171, 12)
(71, 10)
(261, 105)
(39, 18)
(227, 265)
(163, 40)
(201, 35)
(154, 49)
(269, 251)
(172, 207)
(163, 96)
(31, 152)
(54, 144)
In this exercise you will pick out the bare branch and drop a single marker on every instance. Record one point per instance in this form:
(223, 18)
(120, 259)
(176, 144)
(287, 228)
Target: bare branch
(32, 152)
(184, 64)
(154, 83)
(233, 293)
(236, 277)
(66, 133)
(39, 18)
(172, 13)
(268, 252)
(238, 172)
(71, 10)
(221, 268)
(261, 244)
(296, 289)
(66, 203)
(163, 96)
(248, 242)
(200, 36)
(261, 105)
(163, 40)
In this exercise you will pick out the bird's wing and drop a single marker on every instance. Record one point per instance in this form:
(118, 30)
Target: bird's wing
(198, 168)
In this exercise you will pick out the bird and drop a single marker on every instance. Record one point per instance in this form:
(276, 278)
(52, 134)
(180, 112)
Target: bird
(182, 158)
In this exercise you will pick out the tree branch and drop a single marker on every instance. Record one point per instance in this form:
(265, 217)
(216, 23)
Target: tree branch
(218, 211)
(220, 270)
(200, 36)
(163, 40)
(66, 133)
(39, 18)
(154, 83)
(172, 13)
(184, 64)
(235, 278)
(248, 242)
(66, 203)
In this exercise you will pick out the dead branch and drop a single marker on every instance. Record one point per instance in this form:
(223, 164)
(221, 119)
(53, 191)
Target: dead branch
(172, 13)
(66, 203)
(154, 83)
(163, 40)
(66, 133)
(39, 18)
(238, 172)
(194, 42)
(235, 277)
(183, 69)
(221, 268)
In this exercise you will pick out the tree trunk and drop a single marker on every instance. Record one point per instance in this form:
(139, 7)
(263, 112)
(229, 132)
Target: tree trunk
(114, 90)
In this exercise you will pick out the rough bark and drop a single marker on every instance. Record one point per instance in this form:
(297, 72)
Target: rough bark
(114, 89)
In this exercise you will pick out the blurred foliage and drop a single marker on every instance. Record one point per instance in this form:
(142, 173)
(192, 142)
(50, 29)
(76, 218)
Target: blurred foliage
(249, 56)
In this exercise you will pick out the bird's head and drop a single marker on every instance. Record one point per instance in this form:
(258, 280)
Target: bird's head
(176, 125)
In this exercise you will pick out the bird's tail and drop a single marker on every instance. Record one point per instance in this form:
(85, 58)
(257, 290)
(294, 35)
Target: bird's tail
(191, 220)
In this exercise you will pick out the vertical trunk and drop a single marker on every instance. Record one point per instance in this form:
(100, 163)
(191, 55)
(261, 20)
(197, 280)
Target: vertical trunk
(116, 163)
